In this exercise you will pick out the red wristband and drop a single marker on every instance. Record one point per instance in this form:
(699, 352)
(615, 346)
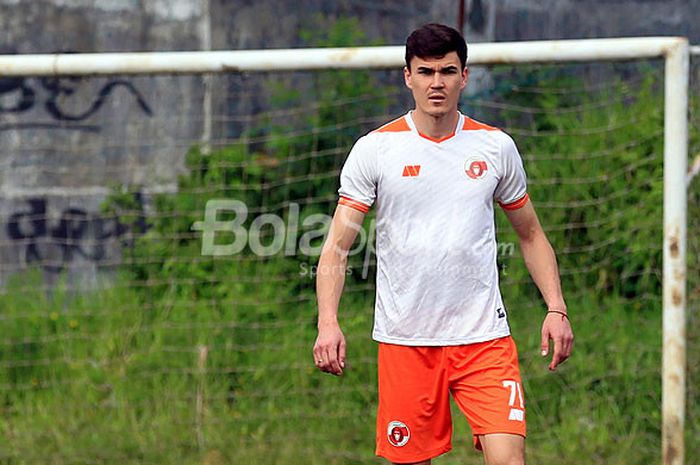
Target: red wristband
(561, 313)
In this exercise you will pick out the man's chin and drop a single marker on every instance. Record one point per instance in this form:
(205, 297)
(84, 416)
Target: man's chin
(437, 112)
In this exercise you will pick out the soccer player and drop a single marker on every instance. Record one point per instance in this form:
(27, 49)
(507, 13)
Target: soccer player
(433, 176)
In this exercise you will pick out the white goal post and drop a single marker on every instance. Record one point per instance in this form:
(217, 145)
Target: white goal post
(674, 50)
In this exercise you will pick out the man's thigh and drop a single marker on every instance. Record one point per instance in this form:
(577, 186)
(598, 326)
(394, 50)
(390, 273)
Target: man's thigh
(413, 419)
(486, 385)
(503, 449)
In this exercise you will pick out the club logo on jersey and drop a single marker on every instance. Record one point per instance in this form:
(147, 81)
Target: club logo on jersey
(411, 171)
(398, 433)
(475, 168)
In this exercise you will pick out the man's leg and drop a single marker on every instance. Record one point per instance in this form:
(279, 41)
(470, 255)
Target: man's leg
(486, 385)
(413, 418)
(503, 449)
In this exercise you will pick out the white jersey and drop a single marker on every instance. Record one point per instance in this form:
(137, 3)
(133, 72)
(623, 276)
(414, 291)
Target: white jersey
(437, 278)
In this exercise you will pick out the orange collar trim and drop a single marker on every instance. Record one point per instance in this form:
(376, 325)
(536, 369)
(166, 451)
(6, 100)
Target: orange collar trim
(442, 139)
(458, 126)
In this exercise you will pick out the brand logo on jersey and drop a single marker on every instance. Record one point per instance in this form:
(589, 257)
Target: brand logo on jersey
(398, 433)
(475, 168)
(411, 171)
(500, 312)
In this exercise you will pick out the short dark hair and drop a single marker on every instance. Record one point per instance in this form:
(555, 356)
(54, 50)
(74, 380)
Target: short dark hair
(435, 40)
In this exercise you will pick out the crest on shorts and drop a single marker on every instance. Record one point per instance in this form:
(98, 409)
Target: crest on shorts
(398, 433)
(475, 167)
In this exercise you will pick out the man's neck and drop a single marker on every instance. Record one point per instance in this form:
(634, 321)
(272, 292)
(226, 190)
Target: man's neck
(435, 127)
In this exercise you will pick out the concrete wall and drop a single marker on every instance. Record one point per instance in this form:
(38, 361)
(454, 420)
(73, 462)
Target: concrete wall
(270, 24)
(65, 143)
(581, 19)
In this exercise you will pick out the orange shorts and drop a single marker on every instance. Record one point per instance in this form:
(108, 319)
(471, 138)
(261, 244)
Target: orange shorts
(415, 383)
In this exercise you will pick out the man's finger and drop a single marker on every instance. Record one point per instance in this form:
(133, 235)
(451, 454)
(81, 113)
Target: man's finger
(553, 364)
(317, 357)
(566, 351)
(331, 361)
(327, 360)
(341, 354)
(557, 358)
(337, 369)
(321, 356)
(567, 344)
(544, 344)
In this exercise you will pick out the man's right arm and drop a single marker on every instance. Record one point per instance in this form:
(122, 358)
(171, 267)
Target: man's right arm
(329, 349)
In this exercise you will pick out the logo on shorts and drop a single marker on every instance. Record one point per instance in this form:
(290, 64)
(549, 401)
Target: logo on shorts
(516, 414)
(398, 433)
(475, 168)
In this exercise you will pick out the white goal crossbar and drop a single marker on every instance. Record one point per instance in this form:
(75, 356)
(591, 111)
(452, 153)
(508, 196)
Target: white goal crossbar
(674, 50)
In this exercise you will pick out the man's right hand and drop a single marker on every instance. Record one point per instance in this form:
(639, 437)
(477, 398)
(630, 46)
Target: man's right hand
(329, 349)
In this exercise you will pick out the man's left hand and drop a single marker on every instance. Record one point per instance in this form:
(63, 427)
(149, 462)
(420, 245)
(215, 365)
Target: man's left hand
(556, 327)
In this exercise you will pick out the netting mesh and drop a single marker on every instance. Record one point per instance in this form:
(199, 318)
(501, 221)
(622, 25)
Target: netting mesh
(159, 297)
(693, 273)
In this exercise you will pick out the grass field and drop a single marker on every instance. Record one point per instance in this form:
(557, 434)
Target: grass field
(101, 379)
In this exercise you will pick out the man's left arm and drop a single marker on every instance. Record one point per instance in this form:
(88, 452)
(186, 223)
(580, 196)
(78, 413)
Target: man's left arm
(541, 262)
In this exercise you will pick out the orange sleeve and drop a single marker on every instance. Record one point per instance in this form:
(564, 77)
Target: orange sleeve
(348, 202)
(515, 205)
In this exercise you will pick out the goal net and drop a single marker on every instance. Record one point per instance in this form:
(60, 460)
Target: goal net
(160, 236)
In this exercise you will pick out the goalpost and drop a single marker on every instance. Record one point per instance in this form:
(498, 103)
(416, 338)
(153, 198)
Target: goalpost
(674, 51)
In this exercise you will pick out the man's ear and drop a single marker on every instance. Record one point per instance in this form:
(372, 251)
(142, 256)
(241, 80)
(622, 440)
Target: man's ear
(465, 78)
(407, 77)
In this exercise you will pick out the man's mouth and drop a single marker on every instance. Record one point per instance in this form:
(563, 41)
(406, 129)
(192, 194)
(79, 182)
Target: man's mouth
(436, 98)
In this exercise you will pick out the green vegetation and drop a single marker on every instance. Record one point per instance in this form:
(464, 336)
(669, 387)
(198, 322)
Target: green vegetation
(192, 359)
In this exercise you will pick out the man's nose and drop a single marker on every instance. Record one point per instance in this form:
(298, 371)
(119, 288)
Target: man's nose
(437, 80)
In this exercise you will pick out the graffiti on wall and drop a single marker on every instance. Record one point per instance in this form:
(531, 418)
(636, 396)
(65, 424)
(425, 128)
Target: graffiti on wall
(41, 232)
(19, 94)
(75, 234)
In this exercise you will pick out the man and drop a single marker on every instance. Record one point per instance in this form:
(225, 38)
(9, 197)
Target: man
(439, 317)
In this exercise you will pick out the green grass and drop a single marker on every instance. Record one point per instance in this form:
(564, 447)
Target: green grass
(100, 379)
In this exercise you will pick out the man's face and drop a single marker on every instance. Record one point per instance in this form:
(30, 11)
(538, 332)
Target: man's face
(436, 83)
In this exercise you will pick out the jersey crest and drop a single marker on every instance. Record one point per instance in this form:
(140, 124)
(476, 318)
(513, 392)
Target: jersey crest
(475, 168)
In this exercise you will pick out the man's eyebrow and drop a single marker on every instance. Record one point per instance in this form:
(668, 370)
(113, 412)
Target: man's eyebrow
(449, 68)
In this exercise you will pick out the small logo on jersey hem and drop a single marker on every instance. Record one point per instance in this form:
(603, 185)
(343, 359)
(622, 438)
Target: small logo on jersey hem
(411, 171)
(500, 312)
(398, 433)
(475, 168)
